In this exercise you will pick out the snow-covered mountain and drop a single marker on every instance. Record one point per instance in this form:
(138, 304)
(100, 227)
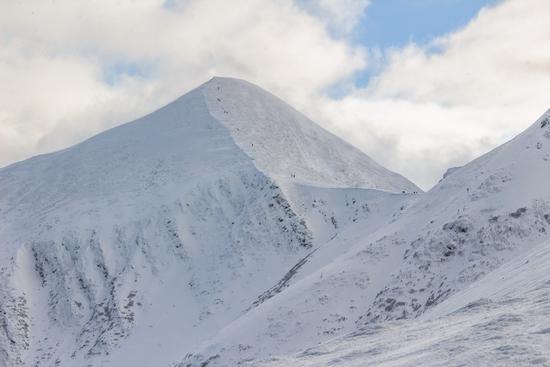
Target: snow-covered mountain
(142, 242)
(474, 222)
(227, 229)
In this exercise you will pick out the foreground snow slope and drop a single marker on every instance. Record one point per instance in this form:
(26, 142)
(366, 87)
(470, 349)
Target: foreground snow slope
(501, 320)
(139, 244)
(476, 219)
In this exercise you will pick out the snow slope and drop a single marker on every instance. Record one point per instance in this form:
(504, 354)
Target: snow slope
(479, 217)
(170, 227)
(501, 320)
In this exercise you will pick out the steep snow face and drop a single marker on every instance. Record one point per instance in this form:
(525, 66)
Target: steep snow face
(287, 145)
(479, 217)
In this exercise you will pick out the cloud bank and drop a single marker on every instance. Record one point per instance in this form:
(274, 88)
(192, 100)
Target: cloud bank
(71, 69)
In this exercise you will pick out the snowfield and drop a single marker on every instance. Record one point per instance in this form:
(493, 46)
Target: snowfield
(501, 320)
(228, 229)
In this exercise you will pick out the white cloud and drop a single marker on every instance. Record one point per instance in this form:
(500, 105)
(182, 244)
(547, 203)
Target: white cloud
(424, 111)
(54, 57)
(339, 15)
(429, 110)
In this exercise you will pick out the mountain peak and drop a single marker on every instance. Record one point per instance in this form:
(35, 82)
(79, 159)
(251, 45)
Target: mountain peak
(216, 78)
(286, 144)
(226, 81)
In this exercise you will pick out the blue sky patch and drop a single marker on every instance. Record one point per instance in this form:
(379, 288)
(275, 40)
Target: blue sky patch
(396, 23)
(112, 73)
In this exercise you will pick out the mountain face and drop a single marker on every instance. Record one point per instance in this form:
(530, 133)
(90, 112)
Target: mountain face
(472, 285)
(470, 227)
(227, 229)
(168, 228)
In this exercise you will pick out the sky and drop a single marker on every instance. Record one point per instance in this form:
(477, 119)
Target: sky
(419, 85)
